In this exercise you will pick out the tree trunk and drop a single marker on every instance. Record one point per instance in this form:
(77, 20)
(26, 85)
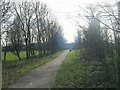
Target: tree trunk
(5, 56)
(5, 52)
(27, 55)
(18, 55)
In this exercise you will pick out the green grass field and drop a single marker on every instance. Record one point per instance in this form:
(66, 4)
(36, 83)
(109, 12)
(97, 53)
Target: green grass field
(12, 70)
(76, 73)
(10, 56)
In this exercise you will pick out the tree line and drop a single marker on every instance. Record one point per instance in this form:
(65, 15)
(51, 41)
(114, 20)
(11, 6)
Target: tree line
(30, 27)
(100, 39)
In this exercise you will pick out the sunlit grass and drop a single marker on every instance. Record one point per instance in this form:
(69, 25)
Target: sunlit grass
(10, 56)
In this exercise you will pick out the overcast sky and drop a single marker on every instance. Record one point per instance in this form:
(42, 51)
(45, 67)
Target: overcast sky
(65, 11)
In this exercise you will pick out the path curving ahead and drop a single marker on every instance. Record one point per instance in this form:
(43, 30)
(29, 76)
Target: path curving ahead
(41, 77)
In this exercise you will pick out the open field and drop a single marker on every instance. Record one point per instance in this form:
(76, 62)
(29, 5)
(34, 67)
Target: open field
(12, 70)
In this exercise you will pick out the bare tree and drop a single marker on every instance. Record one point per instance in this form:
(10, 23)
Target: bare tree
(25, 12)
(15, 37)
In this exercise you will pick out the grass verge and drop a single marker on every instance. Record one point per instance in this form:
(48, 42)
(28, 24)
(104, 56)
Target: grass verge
(76, 73)
(12, 70)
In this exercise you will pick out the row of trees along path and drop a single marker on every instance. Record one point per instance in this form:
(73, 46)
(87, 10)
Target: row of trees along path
(29, 27)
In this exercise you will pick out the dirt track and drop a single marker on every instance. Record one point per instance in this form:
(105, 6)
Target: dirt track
(41, 77)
